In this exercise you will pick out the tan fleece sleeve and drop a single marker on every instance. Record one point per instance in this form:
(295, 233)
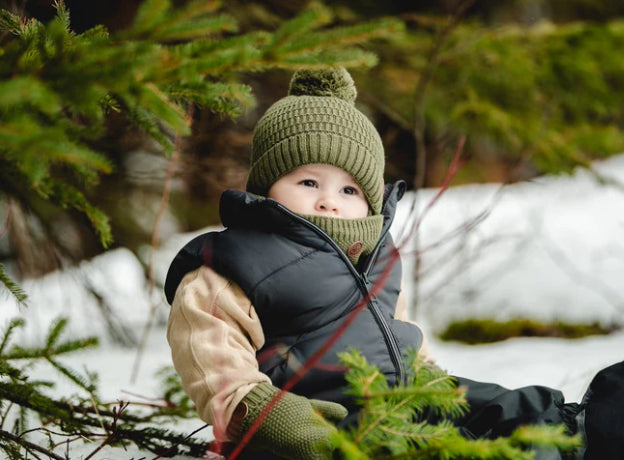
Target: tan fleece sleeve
(214, 332)
(401, 314)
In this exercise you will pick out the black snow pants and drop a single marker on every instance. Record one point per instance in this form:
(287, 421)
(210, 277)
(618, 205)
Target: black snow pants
(599, 417)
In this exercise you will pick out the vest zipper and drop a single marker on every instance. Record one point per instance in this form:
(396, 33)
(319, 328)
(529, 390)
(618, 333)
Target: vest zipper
(395, 354)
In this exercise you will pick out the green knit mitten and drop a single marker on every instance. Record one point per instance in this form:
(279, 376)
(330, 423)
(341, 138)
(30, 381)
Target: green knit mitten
(294, 428)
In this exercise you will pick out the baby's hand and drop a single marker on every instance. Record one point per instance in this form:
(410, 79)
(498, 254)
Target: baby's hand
(295, 428)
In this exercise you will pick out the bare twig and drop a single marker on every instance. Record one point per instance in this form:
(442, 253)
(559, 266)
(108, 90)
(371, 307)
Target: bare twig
(412, 230)
(580, 277)
(157, 403)
(113, 429)
(164, 202)
(4, 416)
(71, 437)
(166, 453)
(418, 129)
(433, 59)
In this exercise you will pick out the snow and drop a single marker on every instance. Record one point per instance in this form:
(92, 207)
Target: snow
(106, 297)
(548, 249)
(567, 365)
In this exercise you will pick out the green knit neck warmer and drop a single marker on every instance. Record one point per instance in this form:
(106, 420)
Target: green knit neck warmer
(355, 237)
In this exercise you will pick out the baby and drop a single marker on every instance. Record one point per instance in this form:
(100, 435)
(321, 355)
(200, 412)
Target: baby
(301, 249)
(306, 252)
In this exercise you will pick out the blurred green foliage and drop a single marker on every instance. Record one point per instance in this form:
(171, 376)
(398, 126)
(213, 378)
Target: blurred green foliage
(547, 97)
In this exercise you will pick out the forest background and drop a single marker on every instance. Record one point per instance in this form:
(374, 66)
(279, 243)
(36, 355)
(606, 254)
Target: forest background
(534, 86)
(130, 152)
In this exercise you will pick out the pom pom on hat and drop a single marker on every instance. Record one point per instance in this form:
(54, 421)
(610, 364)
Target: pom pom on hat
(318, 123)
(332, 82)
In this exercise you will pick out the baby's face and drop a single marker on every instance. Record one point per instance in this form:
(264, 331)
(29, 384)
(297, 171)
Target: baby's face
(322, 190)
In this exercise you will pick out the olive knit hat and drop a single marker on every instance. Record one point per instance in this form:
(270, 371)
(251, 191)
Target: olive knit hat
(318, 123)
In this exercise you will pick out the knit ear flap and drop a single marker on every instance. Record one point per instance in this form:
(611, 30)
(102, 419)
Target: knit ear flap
(330, 82)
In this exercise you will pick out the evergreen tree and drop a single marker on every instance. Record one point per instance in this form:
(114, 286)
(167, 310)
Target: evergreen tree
(57, 86)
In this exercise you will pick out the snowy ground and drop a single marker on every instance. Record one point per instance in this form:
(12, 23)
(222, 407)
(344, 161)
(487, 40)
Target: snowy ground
(550, 249)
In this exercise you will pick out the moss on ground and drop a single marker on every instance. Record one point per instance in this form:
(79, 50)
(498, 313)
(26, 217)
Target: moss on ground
(474, 331)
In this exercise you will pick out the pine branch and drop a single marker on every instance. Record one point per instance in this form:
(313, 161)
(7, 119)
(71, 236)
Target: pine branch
(10, 22)
(164, 110)
(454, 446)
(313, 17)
(389, 428)
(179, 30)
(544, 436)
(80, 418)
(69, 196)
(339, 37)
(19, 441)
(27, 91)
(12, 287)
(17, 352)
(149, 15)
(6, 337)
(224, 98)
(56, 329)
(62, 14)
(53, 346)
(159, 21)
(7, 370)
(80, 381)
(75, 419)
(193, 10)
(146, 121)
(58, 86)
(310, 60)
(249, 41)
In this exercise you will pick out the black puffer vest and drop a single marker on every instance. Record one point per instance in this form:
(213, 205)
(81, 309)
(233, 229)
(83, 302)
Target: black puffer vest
(305, 291)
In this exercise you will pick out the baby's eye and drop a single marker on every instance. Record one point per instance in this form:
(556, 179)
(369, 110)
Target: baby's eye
(349, 191)
(308, 183)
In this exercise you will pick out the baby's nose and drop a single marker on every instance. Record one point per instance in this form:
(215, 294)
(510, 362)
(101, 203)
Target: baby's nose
(326, 203)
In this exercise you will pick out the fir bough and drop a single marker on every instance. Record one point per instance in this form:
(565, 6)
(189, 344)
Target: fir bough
(35, 424)
(11, 286)
(57, 87)
(388, 426)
